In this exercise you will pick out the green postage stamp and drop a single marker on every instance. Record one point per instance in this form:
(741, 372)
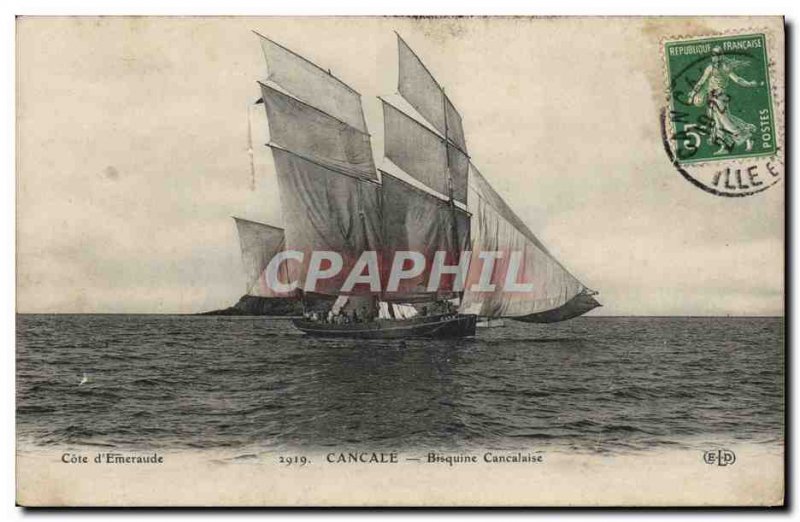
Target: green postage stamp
(721, 103)
(722, 126)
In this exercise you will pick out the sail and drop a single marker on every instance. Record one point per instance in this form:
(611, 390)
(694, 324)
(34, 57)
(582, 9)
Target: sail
(424, 155)
(496, 228)
(418, 86)
(324, 210)
(417, 221)
(578, 305)
(312, 85)
(317, 136)
(259, 244)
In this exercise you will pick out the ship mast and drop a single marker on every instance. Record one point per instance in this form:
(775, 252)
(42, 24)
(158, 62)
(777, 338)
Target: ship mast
(427, 146)
(452, 200)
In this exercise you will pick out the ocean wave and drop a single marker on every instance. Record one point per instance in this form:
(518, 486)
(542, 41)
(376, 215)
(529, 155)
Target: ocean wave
(611, 384)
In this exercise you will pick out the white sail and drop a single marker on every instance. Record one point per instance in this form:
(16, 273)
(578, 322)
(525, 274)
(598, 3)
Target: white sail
(312, 84)
(324, 210)
(495, 227)
(317, 136)
(259, 243)
(419, 222)
(420, 153)
(332, 200)
(418, 86)
(323, 158)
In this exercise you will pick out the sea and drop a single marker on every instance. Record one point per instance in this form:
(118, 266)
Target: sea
(594, 384)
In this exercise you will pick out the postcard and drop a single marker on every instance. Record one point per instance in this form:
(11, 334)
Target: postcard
(400, 261)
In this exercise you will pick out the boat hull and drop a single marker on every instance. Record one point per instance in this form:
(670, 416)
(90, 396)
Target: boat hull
(437, 326)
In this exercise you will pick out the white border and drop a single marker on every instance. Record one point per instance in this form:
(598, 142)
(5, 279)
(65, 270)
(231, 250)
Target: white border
(318, 7)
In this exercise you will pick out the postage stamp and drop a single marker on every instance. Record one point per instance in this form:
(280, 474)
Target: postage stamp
(722, 112)
(721, 103)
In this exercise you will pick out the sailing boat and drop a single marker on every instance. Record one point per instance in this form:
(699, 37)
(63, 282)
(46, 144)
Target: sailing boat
(338, 207)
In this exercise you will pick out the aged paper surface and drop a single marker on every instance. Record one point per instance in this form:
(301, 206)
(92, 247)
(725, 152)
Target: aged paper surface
(647, 154)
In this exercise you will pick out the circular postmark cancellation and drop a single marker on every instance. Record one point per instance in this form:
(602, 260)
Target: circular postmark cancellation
(722, 130)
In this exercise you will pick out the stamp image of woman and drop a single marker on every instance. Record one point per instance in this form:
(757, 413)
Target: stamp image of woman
(727, 130)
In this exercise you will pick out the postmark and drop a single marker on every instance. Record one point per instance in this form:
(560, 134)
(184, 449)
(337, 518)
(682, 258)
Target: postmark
(722, 127)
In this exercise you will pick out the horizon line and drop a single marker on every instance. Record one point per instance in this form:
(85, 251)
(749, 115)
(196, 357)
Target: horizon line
(584, 316)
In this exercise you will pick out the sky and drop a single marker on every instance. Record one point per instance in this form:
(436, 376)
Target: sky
(132, 156)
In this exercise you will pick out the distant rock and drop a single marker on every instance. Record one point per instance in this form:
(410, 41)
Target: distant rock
(253, 305)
